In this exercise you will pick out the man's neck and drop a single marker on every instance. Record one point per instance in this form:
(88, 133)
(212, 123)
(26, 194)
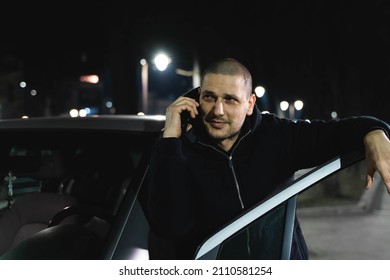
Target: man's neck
(228, 143)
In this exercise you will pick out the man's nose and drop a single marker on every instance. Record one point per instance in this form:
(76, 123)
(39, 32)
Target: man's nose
(218, 108)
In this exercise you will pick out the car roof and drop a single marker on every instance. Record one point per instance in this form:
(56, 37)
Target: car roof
(137, 123)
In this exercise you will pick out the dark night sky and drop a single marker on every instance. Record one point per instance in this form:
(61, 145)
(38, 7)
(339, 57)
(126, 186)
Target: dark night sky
(334, 54)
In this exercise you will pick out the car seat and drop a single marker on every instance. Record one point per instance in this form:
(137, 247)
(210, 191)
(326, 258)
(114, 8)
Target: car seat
(29, 214)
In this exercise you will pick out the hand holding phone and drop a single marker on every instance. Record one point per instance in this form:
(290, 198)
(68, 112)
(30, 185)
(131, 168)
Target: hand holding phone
(181, 113)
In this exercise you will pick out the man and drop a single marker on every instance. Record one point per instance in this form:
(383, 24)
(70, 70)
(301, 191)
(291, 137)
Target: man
(231, 156)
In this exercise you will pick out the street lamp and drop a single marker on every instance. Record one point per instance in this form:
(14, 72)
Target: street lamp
(161, 61)
(298, 106)
(284, 105)
(292, 108)
(259, 91)
(144, 84)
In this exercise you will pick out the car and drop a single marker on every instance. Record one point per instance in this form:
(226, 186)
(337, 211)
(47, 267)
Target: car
(75, 188)
(58, 170)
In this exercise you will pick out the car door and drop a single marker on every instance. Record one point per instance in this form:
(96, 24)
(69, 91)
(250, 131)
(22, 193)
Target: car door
(268, 226)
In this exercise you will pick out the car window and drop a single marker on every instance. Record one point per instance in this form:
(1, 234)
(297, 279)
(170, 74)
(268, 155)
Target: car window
(262, 239)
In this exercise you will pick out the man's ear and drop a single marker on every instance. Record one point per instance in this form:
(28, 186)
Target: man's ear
(251, 103)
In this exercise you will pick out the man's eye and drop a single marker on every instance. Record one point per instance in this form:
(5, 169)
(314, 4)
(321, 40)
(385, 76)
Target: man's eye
(230, 100)
(207, 97)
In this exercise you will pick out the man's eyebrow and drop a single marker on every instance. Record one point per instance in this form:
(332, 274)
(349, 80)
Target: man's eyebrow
(207, 92)
(230, 96)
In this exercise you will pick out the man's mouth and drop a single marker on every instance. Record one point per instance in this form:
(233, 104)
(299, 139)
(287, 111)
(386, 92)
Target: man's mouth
(217, 123)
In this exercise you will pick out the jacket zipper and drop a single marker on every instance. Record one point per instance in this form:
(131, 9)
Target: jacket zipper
(230, 160)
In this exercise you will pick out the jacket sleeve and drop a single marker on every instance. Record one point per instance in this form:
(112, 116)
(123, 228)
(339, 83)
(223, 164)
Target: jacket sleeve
(312, 143)
(169, 200)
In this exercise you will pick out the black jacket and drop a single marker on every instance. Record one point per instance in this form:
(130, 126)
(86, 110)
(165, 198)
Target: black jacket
(196, 187)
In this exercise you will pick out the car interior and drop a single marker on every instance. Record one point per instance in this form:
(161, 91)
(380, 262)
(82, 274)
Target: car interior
(66, 186)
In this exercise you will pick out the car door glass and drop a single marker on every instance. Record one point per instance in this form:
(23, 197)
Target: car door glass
(263, 239)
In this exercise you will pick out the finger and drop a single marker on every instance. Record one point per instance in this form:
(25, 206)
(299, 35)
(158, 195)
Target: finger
(386, 181)
(369, 181)
(383, 170)
(185, 104)
(180, 107)
(370, 177)
(185, 100)
(192, 100)
(191, 105)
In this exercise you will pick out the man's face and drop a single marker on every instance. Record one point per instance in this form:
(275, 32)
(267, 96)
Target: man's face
(224, 104)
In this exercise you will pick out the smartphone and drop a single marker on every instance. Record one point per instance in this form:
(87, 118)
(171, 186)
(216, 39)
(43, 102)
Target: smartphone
(185, 115)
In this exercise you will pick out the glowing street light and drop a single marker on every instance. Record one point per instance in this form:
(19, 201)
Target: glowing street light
(259, 91)
(284, 105)
(292, 108)
(298, 105)
(162, 61)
